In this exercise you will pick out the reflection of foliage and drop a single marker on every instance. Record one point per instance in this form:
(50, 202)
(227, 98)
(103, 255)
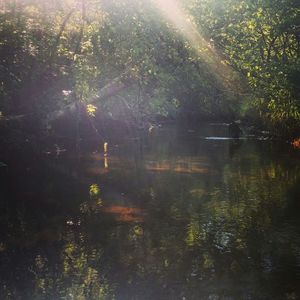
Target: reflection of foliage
(296, 143)
(79, 277)
(94, 204)
(227, 219)
(195, 234)
(94, 190)
(231, 231)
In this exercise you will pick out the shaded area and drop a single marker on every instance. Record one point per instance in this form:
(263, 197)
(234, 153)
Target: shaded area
(167, 215)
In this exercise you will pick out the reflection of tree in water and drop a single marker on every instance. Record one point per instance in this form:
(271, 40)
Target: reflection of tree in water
(243, 227)
(75, 275)
(199, 232)
(227, 232)
(211, 234)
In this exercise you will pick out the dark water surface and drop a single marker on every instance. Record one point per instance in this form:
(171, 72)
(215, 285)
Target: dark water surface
(170, 215)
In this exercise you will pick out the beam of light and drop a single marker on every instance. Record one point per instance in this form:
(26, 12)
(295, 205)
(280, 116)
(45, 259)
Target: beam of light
(174, 14)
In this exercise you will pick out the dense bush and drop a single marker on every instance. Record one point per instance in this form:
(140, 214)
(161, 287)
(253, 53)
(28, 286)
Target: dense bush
(194, 59)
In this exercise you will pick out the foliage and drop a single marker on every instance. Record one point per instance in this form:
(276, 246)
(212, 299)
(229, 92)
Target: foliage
(261, 40)
(79, 46)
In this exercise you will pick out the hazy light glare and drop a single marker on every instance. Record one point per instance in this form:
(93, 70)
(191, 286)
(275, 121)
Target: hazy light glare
(175, 14)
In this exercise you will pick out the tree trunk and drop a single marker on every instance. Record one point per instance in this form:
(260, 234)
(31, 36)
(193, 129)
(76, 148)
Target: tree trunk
(109, 90)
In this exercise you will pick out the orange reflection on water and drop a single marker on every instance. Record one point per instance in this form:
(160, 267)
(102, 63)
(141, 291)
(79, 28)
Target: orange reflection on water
(124, 213)
(179, 166)
(296, 143)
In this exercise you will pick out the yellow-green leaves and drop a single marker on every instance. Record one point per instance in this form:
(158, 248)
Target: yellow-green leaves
(94, 190)
(91, 110)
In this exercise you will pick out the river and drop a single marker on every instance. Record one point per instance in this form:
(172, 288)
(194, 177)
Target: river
(171, 214)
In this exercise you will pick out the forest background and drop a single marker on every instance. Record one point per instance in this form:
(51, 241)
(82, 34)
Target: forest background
(147, 61)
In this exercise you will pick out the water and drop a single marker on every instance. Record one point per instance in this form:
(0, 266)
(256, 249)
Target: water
(166, 215)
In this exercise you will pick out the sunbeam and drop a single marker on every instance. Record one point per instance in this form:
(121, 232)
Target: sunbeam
(174, 13)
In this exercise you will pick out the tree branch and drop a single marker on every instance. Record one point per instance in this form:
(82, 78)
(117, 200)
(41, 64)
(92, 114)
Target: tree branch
(116, 85)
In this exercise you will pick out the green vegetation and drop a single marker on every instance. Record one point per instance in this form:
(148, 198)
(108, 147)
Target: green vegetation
(191, 59)
(178, 213)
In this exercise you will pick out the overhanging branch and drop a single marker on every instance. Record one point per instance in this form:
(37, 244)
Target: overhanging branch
(116, 85)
